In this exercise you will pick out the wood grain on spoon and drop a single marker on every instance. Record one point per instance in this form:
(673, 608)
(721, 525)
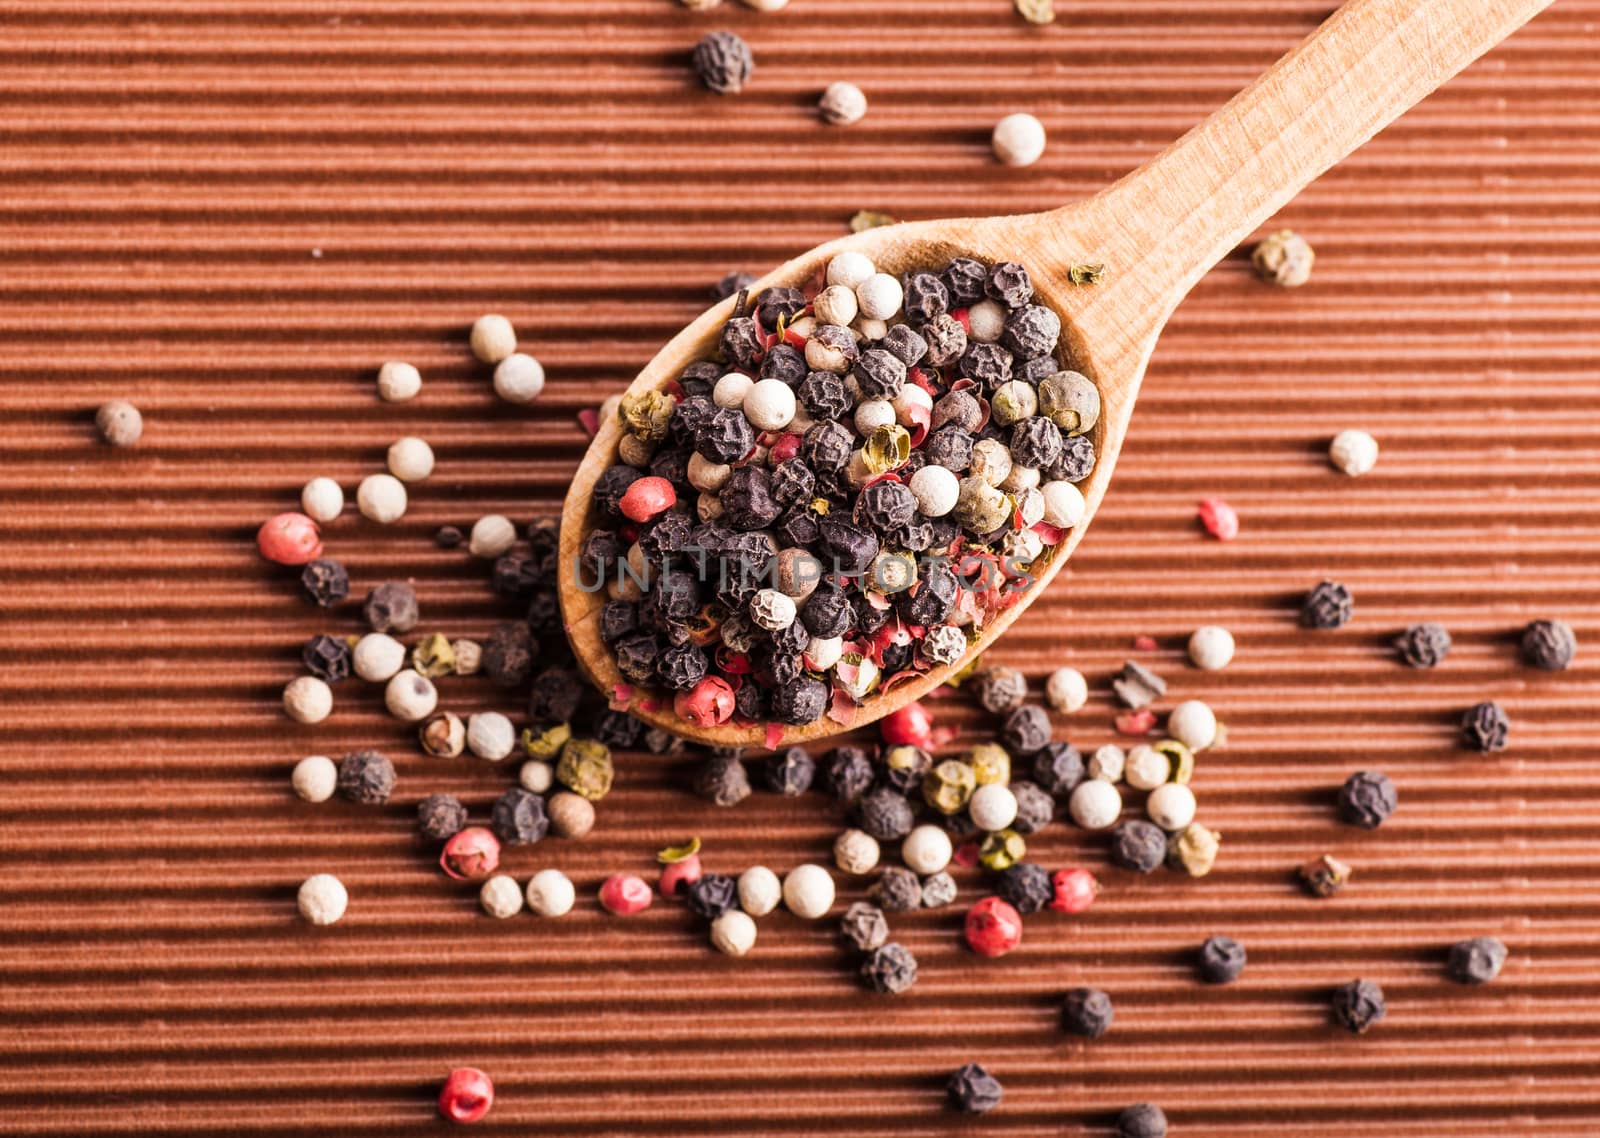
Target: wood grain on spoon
(1158, 230)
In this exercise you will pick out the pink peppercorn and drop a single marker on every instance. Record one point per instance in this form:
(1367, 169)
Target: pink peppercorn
(910, 725)
(467, 1095)
(648, 498)
(707, 704)
(289, 539)
(624, 894)
(784, 447)
(1143, 643)
(993, 928)
(679, 875)
(1075, 890)
(1219, 518)
(1140, 722)
(471, 855)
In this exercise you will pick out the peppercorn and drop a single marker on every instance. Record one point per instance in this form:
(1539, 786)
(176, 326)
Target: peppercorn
(1324, 876)
(1095, 804)
(411, 697)
(325, 582)
(890, 969)
(949, 786)
(1549, 645)
(1329, 605)
(471, 854)
(897, 890)
(1087, 1012)
(988, 365)
(808, 891)
(519, 817)
(500, 897)
(1193, 849)
(1423, 645)
(1354, 452)
(440, 817)
(327, 658)
(624, 895)
(289, 539)
(1031, 331)
(711, 895)
(1485, 727)
(1358, 1005)
(1221, 960)
(586, 768)
(999, 689)
(992, 807)
(322, 899)
(730, 284)
(1284, 259)
(722, 780)
(1138, 846)
(1142, 1120)
(119, 423)
(993, 927)
(1027, 886)
(508, 654)
(1001, 850)
(1026, 730)
(864, 926)
(973, 1090)
(366, 777)
(315, 778)
(723, 62)
(1058, 768)
(571, 815)
(849, 774)
(1476, 961)
(1367, 799)
(938, 890)
(1035, 808)
(391, 607)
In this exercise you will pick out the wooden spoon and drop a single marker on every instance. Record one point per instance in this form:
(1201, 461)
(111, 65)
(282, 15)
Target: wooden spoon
(1158, 231)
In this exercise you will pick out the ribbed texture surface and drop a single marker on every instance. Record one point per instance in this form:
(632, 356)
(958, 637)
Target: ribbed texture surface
(232, 212)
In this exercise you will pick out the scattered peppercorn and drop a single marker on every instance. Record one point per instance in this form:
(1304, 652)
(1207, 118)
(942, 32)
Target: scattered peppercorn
(327, 658)
(1423, 645)
(471, 854)
(325, 582)
(722, 780)
(289, 539)
(1142, 1120)
(1358, 1005)
(440, 817)
(1329, 605)
(864, 926)
(519, 817)
(1027, 886)
(1087, 1012)
(624, 895)
(1324, 876)
(1485, 727)
(391, 607)
(466, 1096)
(1476, 961)
(1549, 645)
(1284, 259)
(890, 969)
(1367, 799)
(938, 890)
(711, 895)
(1220, 520)
(366, 777)
(723, 62)
(1137, 845)
(1221, 960)
(897, 890)
(119, 423)
(993, 927)
(1073, 890)
(973, 1090)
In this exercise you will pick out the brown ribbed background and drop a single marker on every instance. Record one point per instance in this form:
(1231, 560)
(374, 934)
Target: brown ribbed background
(232, 212)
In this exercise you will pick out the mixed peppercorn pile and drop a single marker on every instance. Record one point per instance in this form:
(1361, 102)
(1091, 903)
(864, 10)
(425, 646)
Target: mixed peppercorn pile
(845, 498)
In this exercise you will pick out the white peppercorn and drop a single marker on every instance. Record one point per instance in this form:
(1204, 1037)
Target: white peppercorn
(519, 379)
(551, 894)
(315, 778)
(377, 656)
(1066, 690)
(759, 891)
(398, 382)
(1107, 762)
(836, 304)
(808, 891)
(1095, 804)
(490, 735)
(872, 414)
(733, 933)
(1064, 506)
(381, 498)
(410, 696)
(879, 296)
(536, 775)
(992, 807)
(501, 896)
(772, 611)
(991, 461)
(855, 852)
(469, 657)
(1171, 806)
(935, 488)
(926, 849)
(119, 423)
(988, 321)
(769, 404)
(307, 699)
(1211, 647)
(1354, 452)
(1018, 140)
(492, 535)
(571, 815)
(766, 5)
(869, 327)
(1147, 768)
(842, 104)
(410, 459)
(1021, 480)
(322, 500)
(1193, 724)
(322, 899)
(944, 644)
(730, 390)
(850, 269)
(1284, 259)
(493, 338)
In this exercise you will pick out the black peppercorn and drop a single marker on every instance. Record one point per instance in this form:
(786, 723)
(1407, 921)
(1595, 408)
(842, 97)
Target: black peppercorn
(327, 658)
(747, 499)
(1329, 605)
(845, 547)
(554, 695)
(929, 602)
(885, 505)
(712, 895)
(973, 1090)
(514, 578)
(897, 890)
(508, 653)
(440, 817)
(1142, 1120)
(889, 969)
(1035, 442)
(1036, 370)
(999, 690)
(1485, 727)
(989, 365)
(602, 551)
(789, 772)
(723, 62)
(1476, 961)
(544, 616)
(637, 656)
(1423, 645)
(950, 446)
(750, 701)
(670, 534)
(610, 486)
(885, 814)
(946, 339)
(827, 446)
(869, 620)
(618, 619)
(1087, 1012)
(615, 729)
(1035, 808)
(964, 280)
(448, 537)
(823, 396)
(880, 374)
(391, 607)
(325, 582)
(1358, 1005)
(1074, 463)
(695, 411)
(1367, 799)
(798, 528)
(726, 437)
(366, 777)
(848, 774)
(519, 818)
(682, 666)
(1138, 845)
(864, 926)
(905, 345)
(722, 780)
(925, 297)
(827, 612)
(1009, 284)
(659, 742)
(726, 287)
(1058, 768)
(785, 363)
(800, 702)
(793, 483)
(1027, 886)
(1031, 331)
(779, 303)
(1026, 730)
(1549, 644)
(1221, 960)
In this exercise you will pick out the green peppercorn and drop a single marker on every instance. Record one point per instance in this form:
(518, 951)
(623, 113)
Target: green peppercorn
(980, 507)
(1070, 401)
(545, 742)
(1002, 850)
(991, 764)
(1181, 758)
(434, 656)
(886, 448)
(1194, 850)
(949, 785)
(647, 415)
(585, 768)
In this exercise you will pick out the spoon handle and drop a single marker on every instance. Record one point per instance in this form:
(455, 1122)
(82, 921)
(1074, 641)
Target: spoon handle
(1170, 221)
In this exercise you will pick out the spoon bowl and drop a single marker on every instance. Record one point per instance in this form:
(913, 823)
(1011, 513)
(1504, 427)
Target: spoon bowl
(1157, 231)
